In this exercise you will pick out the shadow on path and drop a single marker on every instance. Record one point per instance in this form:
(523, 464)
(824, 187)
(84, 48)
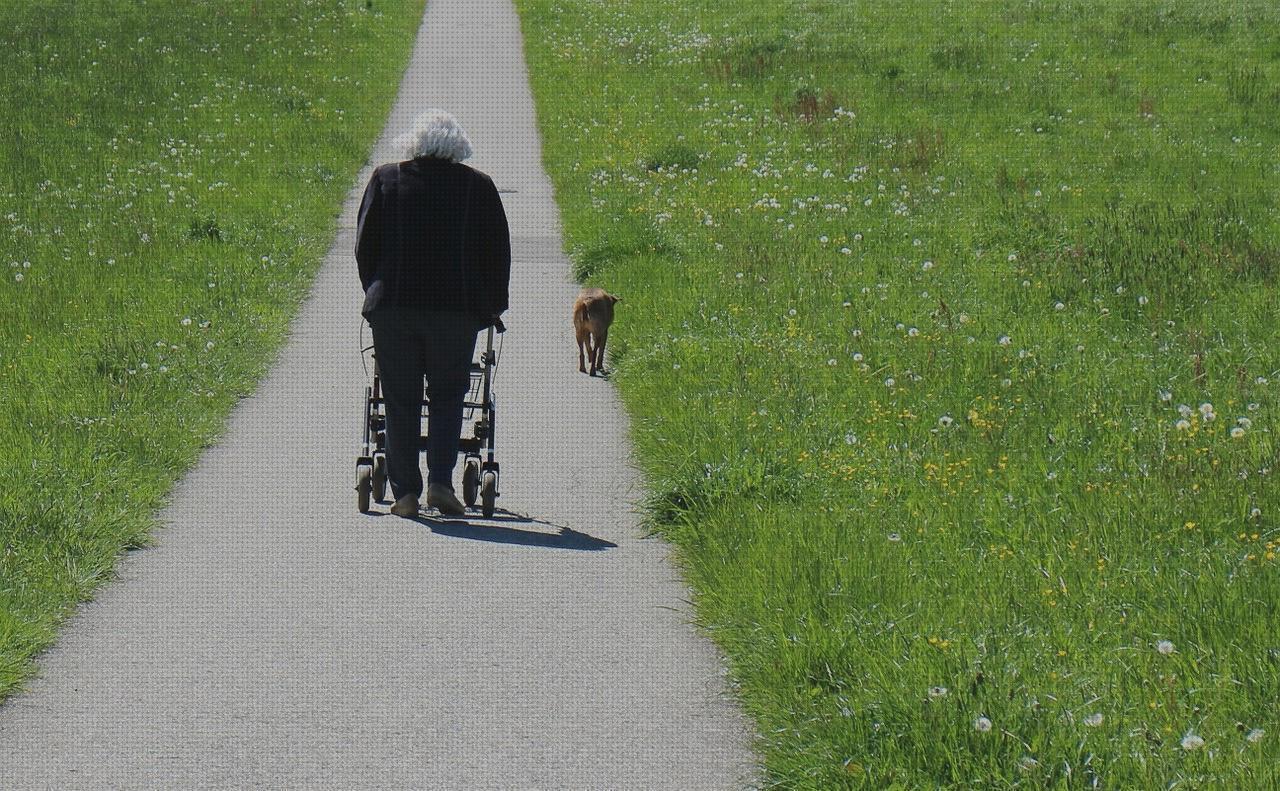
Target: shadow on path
(566, 538)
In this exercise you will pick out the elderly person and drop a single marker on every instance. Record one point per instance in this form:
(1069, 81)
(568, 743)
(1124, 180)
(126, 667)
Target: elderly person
(434, 255)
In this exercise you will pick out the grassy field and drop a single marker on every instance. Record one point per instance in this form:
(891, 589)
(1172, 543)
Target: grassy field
(949, 336)
(170, 176)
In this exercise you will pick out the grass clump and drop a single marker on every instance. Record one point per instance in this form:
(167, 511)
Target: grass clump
(961, 402)
(169, 179)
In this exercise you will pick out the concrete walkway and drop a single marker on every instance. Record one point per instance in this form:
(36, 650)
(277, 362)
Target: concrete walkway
(275, 638)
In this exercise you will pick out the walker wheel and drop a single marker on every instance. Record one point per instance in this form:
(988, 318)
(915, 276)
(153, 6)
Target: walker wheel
(470, 482)
(364, 474)
(488, 492)
(379, 478)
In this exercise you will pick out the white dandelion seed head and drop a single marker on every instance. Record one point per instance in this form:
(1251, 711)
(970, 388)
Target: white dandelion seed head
(186, 322)
(857, 237)
(1209, 417)
(927, 265)
(937, 692)
(945, 421)
(1254, 736)
(1165, 647)
(1027, 763)
(1080, 347)
(913, 332)
(1142, 300)
(1059, 306)
(1237, 432)
(1191, 742)
(1184, 410)
(1255, 512)
(846, 251)
(1094, 719)
(1205, 408)
(982, 725)
(850, 439)
(791, 312)
(823, 239)
(1013, 256)
(894, 537)
(1244, 422)
(1166, 396)
(1182, 425)
(890, 382)
(1004, 340)
(831, 361)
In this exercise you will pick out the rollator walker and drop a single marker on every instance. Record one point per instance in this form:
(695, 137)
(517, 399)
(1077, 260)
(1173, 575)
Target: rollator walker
(479, 469)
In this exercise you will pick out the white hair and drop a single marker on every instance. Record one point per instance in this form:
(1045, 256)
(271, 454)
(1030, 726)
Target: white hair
(436, 133)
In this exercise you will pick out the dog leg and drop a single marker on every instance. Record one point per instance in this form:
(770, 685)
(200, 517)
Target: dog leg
(597, 363)
(582, 364)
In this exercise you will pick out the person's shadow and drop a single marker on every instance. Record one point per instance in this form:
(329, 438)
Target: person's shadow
(565, 538)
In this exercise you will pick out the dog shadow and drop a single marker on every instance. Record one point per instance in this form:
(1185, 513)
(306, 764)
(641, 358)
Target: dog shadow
(486, 530)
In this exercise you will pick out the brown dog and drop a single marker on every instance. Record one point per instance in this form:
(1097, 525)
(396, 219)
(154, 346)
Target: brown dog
(592, 315)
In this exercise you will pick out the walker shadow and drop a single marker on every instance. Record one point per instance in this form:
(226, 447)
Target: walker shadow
(567, 538)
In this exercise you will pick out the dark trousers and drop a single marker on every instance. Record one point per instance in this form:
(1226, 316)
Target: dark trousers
(411, 344)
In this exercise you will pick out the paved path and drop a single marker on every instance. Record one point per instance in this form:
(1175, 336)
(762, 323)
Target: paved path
(275, 638)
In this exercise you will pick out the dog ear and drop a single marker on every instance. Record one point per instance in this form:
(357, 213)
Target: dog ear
(615, 298)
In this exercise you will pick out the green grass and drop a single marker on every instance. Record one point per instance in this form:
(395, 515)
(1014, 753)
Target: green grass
(912, 297)
(170, 176)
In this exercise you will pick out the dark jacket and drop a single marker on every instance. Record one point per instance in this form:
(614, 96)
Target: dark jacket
(438, 239)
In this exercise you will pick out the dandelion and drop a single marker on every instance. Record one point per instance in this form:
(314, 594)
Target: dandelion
(17, 277)
(846, 251)
(937, 692)
(1209, 417)
(927, 265)
(1254, 736)
(1164, 647)
(857, 357)
(1005, 340)
(1244, 423)
(894, 537)
(1205, 408)
(1059, 306)
(1182, 425)
(1237, 432)
(791, 312)
(1184, 410)
(890, 382)
(1142, 300)
(1027, 763)
(1080, 347)
(1191, 742)
(831, 361)
(186, 322)
(1013, 256)
(982, 725)
(1093, 720)
(913, 332)
(850, 439)
(1254, 513)
(945, 421)
(1166, 396)
(208, 346)
(823, 239)
(857, 237)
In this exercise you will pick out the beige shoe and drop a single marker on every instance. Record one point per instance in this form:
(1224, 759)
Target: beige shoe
(406, 506)
(442, 497)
